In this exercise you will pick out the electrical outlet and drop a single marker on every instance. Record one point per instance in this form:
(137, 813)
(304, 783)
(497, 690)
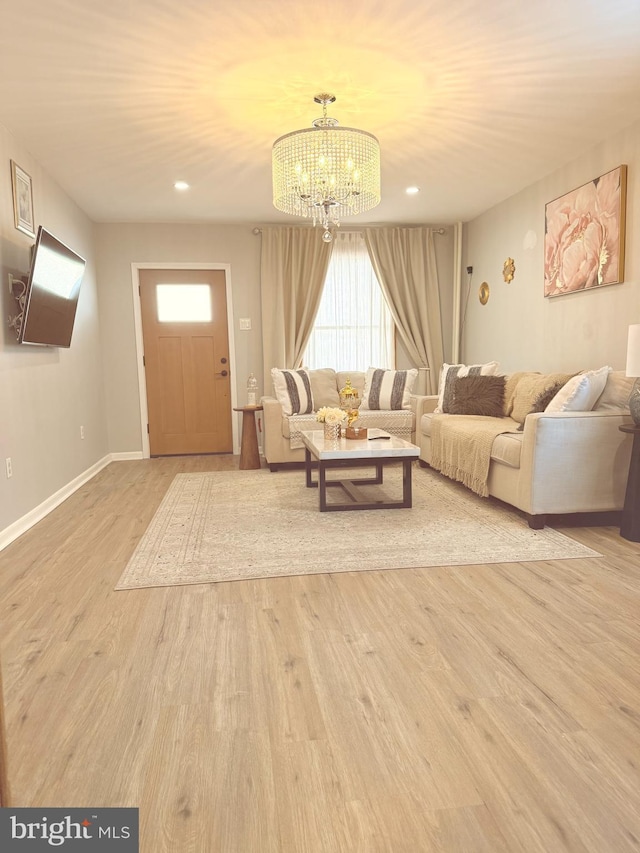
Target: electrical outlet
(7, 462)
(469, 270)
(81, 432)
(245, 324)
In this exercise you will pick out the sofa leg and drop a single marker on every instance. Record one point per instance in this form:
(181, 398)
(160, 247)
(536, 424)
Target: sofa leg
(536, 522)
(423, 464)
(273, 466)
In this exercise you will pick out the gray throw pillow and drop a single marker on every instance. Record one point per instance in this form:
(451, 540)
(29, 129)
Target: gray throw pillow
(478, 395)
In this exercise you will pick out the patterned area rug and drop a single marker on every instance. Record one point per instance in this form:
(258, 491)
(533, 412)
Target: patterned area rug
(236, 525)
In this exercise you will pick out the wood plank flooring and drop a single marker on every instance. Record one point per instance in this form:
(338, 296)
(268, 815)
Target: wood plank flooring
(469, 709)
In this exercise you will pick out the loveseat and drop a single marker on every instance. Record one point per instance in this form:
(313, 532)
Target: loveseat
(398, 412)
(553, 445)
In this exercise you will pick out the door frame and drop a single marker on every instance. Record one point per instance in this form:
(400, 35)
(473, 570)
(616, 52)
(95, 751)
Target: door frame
(137, 316)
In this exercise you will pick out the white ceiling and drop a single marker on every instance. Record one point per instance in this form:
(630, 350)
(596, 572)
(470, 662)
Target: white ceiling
(472, 100)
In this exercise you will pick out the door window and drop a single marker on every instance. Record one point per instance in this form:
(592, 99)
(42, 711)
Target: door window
(183, 303)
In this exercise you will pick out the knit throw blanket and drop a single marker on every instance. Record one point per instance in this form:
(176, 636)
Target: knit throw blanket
(461, 447)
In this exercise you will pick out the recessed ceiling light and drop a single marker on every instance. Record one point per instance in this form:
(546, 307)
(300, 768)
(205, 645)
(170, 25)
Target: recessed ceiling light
(181, 185)
(412, 190)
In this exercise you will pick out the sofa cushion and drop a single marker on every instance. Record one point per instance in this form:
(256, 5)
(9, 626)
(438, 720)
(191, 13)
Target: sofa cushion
(510, 389)
(324, 386)
(581, 392)
(616, 391)
(529, 388)
(544, 398)
(293, 390)
(506, 448)
(388, 389)
(450, 372)
(478, 395)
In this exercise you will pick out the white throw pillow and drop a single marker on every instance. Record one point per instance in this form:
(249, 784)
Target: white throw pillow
(388, 389)
(580, 392)
(450, 372)
(293, 391)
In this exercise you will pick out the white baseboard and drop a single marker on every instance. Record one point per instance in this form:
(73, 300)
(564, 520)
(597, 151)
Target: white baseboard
(38, 513)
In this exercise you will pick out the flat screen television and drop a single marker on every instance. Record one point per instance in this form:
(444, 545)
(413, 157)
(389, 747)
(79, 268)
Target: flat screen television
(52, 291)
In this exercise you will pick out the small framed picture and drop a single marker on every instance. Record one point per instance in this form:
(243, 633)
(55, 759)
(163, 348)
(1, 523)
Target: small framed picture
(22, 200)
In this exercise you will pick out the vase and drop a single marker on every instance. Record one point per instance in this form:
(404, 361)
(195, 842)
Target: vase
(331, 432)
(634, 402)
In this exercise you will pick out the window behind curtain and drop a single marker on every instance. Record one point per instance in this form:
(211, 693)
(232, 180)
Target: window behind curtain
(354, 328)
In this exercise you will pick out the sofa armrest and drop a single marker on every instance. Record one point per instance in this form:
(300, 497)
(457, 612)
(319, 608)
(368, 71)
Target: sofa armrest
(574, 461)
(272, 405)
(272, 411)
(421, 404)
(277, 448)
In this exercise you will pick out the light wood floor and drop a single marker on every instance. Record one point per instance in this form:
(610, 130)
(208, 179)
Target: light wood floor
(473, 709)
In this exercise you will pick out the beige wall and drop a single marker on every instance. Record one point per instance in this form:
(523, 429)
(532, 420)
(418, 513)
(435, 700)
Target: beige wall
(518, 326)
(121, 245)
(46, 393)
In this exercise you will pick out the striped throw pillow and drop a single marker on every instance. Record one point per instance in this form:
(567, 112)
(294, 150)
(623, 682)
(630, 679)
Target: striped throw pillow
(388, 389)
(293, 391)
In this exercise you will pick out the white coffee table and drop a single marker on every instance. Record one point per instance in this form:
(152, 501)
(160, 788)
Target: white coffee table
(378, 450)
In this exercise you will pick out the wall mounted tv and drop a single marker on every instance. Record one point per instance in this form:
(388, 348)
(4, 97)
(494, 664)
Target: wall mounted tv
(52, 291)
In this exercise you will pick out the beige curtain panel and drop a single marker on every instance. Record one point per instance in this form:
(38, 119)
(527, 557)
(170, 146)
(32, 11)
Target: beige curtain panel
(293, 268)
(405, 263)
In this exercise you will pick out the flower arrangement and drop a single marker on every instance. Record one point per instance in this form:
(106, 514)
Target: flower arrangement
(329, 415)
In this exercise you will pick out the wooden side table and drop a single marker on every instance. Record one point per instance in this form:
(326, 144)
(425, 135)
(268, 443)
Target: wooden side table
(630, 526)
(249, 453)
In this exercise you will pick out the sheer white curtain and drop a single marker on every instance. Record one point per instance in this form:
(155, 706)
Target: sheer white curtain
(353, 329)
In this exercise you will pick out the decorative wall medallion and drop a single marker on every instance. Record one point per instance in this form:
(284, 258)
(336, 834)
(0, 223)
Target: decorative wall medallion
(509, 270)
(483, 293)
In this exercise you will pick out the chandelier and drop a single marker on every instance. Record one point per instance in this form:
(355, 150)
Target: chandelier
(325, 172)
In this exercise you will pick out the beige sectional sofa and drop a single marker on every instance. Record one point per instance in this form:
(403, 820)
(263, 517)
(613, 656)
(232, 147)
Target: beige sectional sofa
(544, 462)
(281, 441)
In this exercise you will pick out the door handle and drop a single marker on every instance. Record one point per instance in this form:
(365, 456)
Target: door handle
(223, 373)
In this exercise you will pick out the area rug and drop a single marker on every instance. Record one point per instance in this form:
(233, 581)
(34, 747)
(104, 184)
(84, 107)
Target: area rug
(236, 525)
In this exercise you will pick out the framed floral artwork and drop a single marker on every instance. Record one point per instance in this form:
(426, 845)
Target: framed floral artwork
(22, 200)
(584, 234)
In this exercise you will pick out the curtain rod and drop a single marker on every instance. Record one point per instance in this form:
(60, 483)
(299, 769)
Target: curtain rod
(257, 230)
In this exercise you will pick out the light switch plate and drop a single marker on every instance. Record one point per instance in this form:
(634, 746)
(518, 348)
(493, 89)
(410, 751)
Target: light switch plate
(245, 324)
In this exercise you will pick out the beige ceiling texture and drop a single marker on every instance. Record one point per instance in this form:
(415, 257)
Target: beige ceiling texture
(471, 101)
